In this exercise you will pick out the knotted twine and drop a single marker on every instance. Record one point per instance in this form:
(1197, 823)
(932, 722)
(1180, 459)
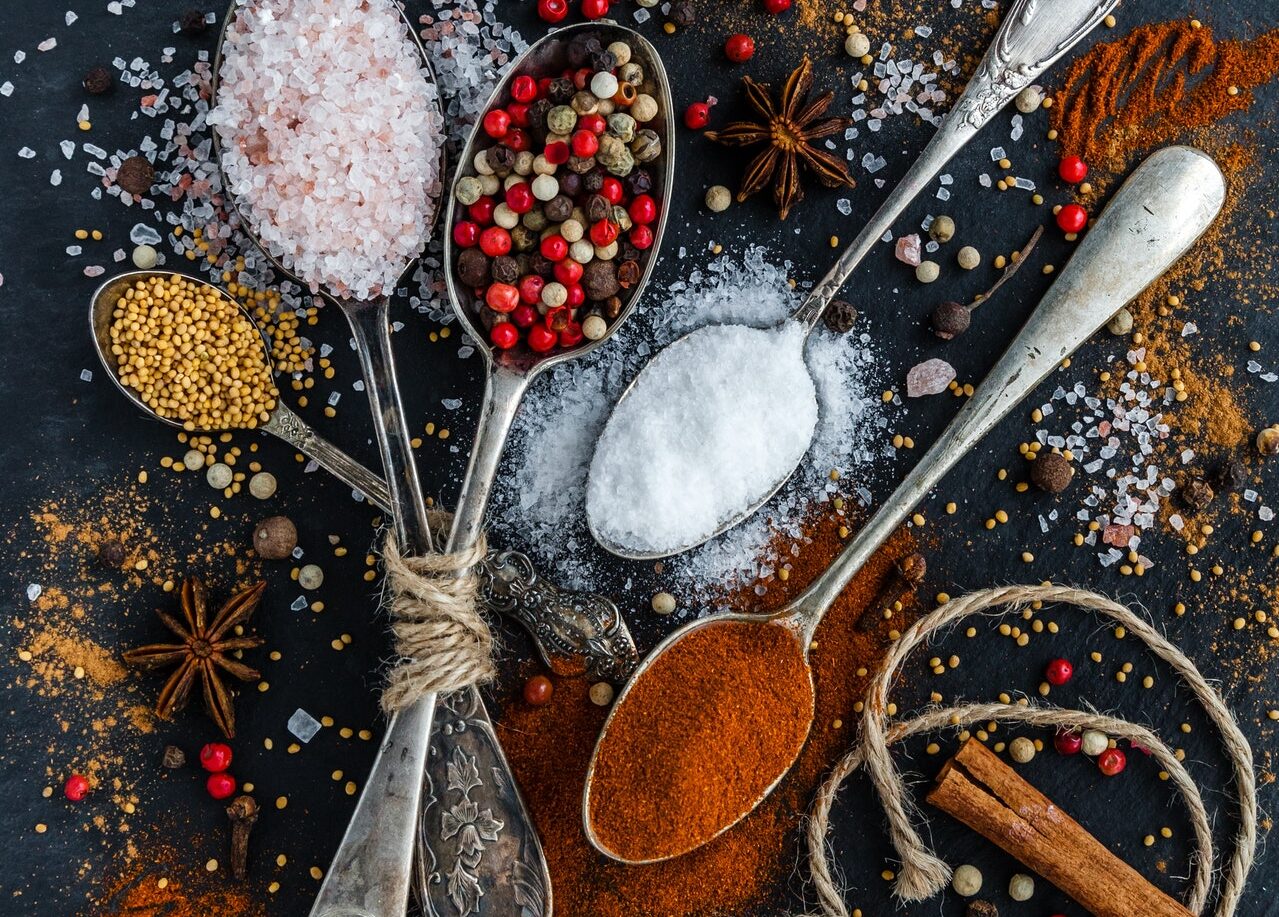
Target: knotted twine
(443, 643)
(923, 874)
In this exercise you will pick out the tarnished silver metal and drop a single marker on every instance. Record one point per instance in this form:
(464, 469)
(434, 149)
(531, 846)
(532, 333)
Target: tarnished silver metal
(575, 632)
(1164, 206)
(1034, 34)
(372, 871)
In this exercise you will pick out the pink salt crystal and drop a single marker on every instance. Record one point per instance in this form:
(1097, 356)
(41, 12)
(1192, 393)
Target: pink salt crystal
(1103, 428)
(1118, 535)
(931, 377)
(909, 251)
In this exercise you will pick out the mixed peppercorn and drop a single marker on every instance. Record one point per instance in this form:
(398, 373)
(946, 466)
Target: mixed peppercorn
(558, 214)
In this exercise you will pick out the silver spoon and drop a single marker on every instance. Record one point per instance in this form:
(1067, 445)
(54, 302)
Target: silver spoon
(576, 633)
(372, 870)
(1159, 212)
(1031, 38)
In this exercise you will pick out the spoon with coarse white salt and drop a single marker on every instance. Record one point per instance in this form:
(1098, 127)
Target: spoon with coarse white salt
(658, 785)
(717, 422)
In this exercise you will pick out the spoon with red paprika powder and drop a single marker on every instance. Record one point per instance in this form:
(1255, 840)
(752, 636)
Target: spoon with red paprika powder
(713, 719)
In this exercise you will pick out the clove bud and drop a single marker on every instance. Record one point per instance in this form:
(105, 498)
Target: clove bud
(906, 575)
(243, 812)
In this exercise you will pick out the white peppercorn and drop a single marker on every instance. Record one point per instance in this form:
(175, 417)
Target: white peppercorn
(523, 162)
(554, 294)
(145, 257)
(648, 4)
(606, 107)
(1029, 99)
(663, 603)
(1094, 742)
(718, 198)
(545, 187)
(1021, 750)
(505, 217)
(604, 85)
(941, 229)
(193, 460)
(968, 257)
(262, 485)
(1120, 323)
(219, 476)
(468, 190)
(572, 230)
(1021, 887)
(606, 252)
(644, 108)
(631, 73)
(582, 251)
(621, 52)
(966, 881)
(856, 44)
(310, 577)
(481, 163)
(542, 167)
(561, 119)
(928, 271)
(594, 327)
(601, 694)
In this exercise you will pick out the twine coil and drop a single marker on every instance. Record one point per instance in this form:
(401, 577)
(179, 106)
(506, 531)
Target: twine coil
(923, 874)
(443, 643)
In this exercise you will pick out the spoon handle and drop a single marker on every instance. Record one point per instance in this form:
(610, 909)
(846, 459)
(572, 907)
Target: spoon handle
(1033, 35)
(295, 431)
(1164, 206)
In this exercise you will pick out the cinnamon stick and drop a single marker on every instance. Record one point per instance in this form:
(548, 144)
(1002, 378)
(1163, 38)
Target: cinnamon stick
(987, 795)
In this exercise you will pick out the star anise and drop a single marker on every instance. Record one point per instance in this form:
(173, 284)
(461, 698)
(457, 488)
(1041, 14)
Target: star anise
(790, 129)
(204, 653)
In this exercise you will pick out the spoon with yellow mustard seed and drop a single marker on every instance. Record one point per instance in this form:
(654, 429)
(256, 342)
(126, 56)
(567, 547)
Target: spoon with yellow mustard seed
(716, 715)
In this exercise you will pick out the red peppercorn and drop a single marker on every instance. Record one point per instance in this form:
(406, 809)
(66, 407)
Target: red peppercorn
(643, 209)
(76, 787)
(1059, 671)
(524, 88)
(519, 197)
(642, 237)
(541, 339)
(604, 233)
(594, 9)
(776, 6)
(220, 785)
(557, 318)
(572, 335)
(697, 116)
(1072, 169)
(537, 690)
(519, 113)
(482, 210)
(466, 234)
(585, 143)
(582, 76)
(1068, 742)
(552, 11)
(502, 297)
(1112, 762)
(495, 241)
(1072, 218)
(557, 153)
(215, 757)
(593, 123)
(497, 123)
(524, 316)
(568, 271)
(554, 248)
(739, 48)
(611, 190)
(576, 295)
(504, 335)
(517, 139)
(531, 289)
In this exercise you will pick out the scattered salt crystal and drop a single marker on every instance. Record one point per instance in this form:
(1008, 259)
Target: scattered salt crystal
(1265, 513)
(908, 250)
(299, 603)
(94, 270)
(33, 591)
(943, 194)
(719, 418)
(6, 89)
(997, 153)
(68, 148)
(142, 234)
(1188, 329)
(27, 153)
(984, 180)
(71, 18)
(55, 178)
(303, 725)
(47, 45)
(451, 404)
(19, 56)
(844, 206)
(930, 377)
(86, 375)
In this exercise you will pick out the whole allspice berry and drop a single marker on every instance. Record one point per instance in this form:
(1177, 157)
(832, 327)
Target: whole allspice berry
(275, 538)
(840, 316)
(193, 23)
(112, 554)
(1230, 475)
(682, 13)
(136, 175)
(1051, 472)
(980, 908)
(1195, 494)
(98, 81)
(1268, 441)
(174, 757)
(951, 319)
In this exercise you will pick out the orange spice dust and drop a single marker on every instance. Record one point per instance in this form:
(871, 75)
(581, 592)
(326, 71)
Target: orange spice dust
(549, 748)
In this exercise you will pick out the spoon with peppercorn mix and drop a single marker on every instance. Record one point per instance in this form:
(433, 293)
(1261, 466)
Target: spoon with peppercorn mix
(668, 723)
(633, 510)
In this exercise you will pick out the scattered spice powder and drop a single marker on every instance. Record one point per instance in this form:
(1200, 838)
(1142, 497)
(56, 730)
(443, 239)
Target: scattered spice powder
(752, 861)
(708, 727)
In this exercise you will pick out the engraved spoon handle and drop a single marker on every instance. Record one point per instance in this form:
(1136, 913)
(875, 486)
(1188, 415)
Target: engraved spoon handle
(295, 431)
(1033, 35)
(1163, 207)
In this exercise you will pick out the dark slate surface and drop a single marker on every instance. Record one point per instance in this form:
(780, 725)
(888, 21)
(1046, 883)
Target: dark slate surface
(72, 442)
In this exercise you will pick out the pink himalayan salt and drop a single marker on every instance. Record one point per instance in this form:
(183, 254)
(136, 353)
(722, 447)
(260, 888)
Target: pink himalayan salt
(909, 251)
(932, 377)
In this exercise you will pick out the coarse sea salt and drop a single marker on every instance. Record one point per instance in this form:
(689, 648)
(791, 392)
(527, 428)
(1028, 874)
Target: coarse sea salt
(711, 426)
(330, 133)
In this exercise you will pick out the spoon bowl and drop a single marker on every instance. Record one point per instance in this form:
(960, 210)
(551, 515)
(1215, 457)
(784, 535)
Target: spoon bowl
(1153, 219)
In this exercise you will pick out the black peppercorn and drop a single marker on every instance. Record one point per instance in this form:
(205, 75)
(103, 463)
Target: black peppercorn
(581, 48)
(473, 267)
(592, 182)
(599, 280)
(1051, 472)
(840, 316)
(561, 90)
(501, 160)
(193, 23)
(628, 252)
(950, 320)
(558, 209)
(112, 554)
(570, 184)
(135, 176)
(537, 113)
(505, 269)
(628, 274)
(1230, 474)
(544, 267)
(1195, 494)
(598, 208)
(602, 60)
(581, 164)
(523, 239)
(98, 80)
(640, 181)
(682, 13)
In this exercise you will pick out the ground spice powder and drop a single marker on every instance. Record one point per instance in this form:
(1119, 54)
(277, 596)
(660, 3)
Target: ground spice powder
(708, 727)
(549, 748)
